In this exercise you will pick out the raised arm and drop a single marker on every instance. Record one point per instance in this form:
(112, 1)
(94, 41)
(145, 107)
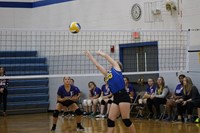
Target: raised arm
(94, 61)
(109, 59)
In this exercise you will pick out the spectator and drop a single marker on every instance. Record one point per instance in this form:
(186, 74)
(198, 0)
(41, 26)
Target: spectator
(158, 98)
(171, 103)
(190, 99)
(3, 90)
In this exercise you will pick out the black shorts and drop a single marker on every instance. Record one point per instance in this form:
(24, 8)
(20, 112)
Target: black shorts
(66, 103)
(121, 96)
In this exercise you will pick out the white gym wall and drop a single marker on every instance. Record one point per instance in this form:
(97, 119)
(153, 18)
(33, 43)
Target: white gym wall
(108, 15)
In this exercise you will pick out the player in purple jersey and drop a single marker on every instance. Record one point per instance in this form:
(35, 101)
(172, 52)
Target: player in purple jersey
(150, 90)
(94, 94)
(105, 99)
(121, 99)
(66, 96)
(129, 89)
(67, 112)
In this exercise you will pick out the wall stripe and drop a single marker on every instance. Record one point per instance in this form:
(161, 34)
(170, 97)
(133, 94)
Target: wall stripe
(5, 4)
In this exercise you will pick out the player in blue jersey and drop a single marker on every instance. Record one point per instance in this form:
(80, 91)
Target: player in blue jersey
(121, 99)
(66, 96)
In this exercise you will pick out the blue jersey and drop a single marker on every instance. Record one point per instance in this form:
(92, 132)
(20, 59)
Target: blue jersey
(115, 80)
(63, 93)
(106, 91)
(179, 90)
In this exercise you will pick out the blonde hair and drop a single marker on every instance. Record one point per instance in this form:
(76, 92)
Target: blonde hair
(120, 65)
(160, 88)
(188, 87)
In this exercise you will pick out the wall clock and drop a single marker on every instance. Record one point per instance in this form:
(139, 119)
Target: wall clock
(136, 12)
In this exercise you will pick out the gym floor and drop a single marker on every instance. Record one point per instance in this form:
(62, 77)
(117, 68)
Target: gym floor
(41, 123)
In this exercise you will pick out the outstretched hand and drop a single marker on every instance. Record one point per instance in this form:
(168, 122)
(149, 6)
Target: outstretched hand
(87, 53)
(100, 53)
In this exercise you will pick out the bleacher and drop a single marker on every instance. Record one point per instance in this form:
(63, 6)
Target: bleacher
(26, 95)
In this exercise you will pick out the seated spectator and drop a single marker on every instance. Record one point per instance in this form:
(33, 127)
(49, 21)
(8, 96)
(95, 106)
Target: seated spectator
(94, 94)
(106, 99)
(171, 102)
(143, 100)
(158, 98)
(130, 90)
(189, 100)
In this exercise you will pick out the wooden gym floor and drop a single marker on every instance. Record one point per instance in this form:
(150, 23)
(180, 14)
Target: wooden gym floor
(41, 123)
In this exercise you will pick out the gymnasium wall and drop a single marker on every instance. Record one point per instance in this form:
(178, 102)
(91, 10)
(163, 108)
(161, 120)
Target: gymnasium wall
(109, 15)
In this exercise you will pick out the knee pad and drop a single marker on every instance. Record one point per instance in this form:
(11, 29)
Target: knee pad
(110, 123)
(109, 101)
(103, 102)
(127, 122)
(78, 112)
(55, 113)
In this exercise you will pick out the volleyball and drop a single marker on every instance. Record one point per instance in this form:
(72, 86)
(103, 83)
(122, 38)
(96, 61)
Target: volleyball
(74, 27)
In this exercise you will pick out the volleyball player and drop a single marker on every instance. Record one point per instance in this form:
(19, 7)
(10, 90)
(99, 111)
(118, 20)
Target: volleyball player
(121, 99)
(3, 90)
(67, 97)
(67, 111)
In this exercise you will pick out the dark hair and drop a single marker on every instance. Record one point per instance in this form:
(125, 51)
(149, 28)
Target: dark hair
(4, 71)
(72, 79)
(127, 78)
(91, 82)
(181, 75)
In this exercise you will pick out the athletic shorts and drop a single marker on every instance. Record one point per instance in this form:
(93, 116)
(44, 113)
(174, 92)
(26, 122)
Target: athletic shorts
(67, 103)
(121, 96)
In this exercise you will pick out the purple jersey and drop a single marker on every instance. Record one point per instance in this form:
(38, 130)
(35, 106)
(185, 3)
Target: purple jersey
(151, 90)
(95, 91)
(179, 90)
(130, 89)
(63, 93)
(77, 90)
(106, 91)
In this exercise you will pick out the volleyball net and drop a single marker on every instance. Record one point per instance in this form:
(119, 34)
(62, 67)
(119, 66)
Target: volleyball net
(55, 53)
